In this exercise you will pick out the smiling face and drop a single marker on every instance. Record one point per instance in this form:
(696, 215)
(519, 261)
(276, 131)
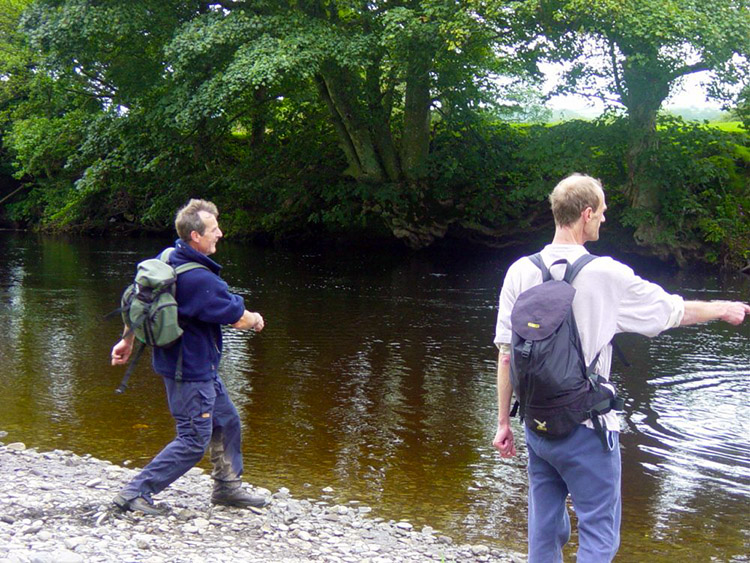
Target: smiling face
(206, 243)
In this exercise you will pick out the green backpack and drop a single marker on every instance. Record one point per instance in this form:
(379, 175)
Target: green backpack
(149, 308)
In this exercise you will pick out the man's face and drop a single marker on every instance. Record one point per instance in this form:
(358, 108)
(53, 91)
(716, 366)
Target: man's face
(206, 243)
(591, 228)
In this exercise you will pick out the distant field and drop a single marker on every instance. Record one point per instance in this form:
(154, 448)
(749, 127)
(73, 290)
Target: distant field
(728, 126)
(731, 126)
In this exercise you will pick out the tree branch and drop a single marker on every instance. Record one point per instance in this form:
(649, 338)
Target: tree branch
(615, 69)
(99, 85)
(689, 69)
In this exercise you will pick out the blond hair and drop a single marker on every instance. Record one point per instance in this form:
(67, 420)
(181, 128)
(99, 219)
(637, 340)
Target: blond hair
(572, 196)
(188, 218)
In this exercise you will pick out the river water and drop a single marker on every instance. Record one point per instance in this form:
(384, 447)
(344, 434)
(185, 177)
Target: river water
(375, 376)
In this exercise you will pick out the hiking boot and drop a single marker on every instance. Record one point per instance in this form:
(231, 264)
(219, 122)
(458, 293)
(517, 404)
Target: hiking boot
(139, 504)
(230, 493)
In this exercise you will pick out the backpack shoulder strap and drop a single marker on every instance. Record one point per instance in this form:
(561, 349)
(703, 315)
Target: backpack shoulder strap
(573, 269)
(165, 254)
(182, 268)
(187, 266)
(536, 259)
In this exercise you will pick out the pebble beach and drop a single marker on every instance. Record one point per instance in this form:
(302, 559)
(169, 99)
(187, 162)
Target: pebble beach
(55, 507)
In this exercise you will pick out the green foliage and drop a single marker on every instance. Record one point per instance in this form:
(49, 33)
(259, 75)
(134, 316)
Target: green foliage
(298, 119)
(742, 109)
(620, 48)
(705, 192)
(14, 75)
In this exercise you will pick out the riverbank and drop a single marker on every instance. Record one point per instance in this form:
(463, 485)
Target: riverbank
(56, 508)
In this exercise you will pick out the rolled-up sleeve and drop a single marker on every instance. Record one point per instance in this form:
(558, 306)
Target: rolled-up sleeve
(646, 308)
(508, 295)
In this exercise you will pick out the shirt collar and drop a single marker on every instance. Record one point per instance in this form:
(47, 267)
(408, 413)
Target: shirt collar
(186, 253)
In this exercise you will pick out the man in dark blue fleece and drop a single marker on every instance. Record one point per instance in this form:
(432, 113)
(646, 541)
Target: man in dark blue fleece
(205, 416)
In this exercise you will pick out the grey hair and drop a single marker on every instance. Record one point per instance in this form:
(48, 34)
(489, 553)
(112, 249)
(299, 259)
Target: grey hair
(572, 196)
(188, 218)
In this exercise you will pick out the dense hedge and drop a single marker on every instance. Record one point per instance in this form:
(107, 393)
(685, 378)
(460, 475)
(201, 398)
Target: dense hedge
(488, 182)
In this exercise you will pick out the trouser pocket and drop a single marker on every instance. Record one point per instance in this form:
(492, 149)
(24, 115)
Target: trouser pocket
(192, 404)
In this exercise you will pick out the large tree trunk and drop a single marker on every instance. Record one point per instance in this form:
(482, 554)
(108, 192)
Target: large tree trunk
(337, 90)
(259, 119)
(380, 113)
(642, 142)
(647, 87)
(415, 141)
(360, 113)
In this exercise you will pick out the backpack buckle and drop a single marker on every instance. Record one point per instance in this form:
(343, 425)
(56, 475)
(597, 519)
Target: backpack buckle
(526, 350)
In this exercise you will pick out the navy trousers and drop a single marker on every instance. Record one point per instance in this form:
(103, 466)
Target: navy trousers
(206, 419)
(577, 465)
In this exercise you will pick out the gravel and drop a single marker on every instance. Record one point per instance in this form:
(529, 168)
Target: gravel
(55, 507)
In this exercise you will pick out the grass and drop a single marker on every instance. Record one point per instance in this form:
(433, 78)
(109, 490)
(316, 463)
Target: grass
(728, 126)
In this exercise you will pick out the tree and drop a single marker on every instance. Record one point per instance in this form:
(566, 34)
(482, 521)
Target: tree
(14, 81)
(387, 72)
(634, 53)
(742, 109)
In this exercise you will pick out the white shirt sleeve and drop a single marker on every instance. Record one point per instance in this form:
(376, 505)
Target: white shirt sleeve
(519, 273)
(646, 308)
(502, 327)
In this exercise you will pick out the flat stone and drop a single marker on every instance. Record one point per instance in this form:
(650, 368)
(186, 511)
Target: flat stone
(186, 514)
(16, 446)
(73, 543)
(143, 541)
(201, 523)
(34, 527)
(480, 549)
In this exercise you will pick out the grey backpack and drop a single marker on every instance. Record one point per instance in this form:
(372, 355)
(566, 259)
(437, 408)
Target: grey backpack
(555, 390)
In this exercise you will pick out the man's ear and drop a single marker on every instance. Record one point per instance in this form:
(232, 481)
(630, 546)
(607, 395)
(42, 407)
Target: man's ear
(586, 214)
(194, 236)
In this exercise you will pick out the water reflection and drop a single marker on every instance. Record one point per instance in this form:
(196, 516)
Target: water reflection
(376, 377)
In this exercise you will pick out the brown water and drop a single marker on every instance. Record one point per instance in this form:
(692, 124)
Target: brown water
(375, 376)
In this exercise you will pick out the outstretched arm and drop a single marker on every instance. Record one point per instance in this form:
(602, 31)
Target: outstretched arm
(503, 441)
(732, 312)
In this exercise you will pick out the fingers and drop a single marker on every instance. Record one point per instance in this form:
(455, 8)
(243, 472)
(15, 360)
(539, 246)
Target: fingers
(505, 445)
(259, 323)
(506, 450)
(737, 313)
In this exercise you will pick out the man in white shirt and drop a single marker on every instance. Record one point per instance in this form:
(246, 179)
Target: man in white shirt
(609, 299)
